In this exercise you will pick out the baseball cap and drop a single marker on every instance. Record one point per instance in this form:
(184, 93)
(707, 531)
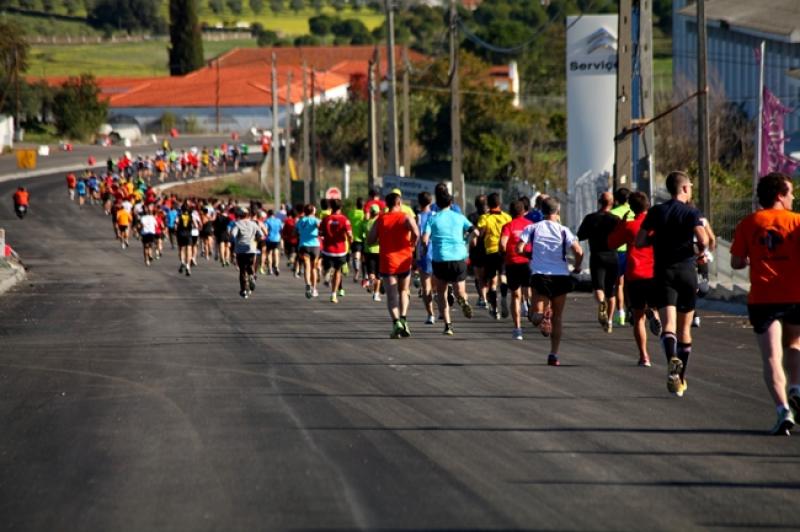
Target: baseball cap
(397, 191)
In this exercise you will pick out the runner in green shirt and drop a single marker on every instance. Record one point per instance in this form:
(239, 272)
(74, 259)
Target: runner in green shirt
(357, 221)
(371, 255)
(622, 211)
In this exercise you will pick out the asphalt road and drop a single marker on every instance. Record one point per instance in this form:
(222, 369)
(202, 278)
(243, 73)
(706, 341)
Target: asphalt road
(137, 399)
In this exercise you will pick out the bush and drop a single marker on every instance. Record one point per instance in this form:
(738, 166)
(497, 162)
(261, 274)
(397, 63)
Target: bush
(307, 40)
(257, 6)
(298, 5)
(276, 6)
(216, 6)
(235, 6)
(71, 6)
(77, 108)
(321, 24)
(167, 122)
(267, 38)
(191, 125)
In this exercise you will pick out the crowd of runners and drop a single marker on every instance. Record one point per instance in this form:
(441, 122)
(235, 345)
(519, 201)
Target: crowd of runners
(648, 264)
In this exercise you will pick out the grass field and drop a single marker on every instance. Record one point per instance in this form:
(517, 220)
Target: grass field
(136, 59)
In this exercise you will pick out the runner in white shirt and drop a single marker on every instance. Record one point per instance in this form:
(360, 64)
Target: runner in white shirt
(147, 229)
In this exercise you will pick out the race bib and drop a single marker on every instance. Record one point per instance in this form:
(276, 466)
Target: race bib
(195, 232)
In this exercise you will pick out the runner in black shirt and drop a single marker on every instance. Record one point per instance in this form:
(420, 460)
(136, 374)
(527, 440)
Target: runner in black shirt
(672, 228)
(596, 228)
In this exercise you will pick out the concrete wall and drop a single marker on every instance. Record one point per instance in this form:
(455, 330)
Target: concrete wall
(6, 132)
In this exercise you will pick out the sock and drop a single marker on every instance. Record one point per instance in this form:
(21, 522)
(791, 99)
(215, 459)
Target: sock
(503, 290)
(670, 344)
(684, 350)
(402, 318)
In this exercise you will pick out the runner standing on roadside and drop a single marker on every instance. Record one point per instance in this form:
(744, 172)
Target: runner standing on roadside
(550, 279)
(671, 228)
(445, 233)
(769, 242)
(397, 233)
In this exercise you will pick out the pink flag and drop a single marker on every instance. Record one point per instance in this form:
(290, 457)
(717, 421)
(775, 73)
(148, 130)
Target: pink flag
(772, 137)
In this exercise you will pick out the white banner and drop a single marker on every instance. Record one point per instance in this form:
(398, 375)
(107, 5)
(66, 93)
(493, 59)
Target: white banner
(591, 110)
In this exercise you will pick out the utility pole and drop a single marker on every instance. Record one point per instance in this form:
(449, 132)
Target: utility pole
(306, 141)
(762, 58)
(647, 142)
(392, 94)
(623, 156)
(379, 114)
(703, 147)
(276, 146)
(17, 127)
(406, 116)
(456, 175)
(288, 139)
(312, 188)
(372, 171)
(217, 96)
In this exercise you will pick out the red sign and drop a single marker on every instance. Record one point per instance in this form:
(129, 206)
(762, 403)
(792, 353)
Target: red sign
(333, 193)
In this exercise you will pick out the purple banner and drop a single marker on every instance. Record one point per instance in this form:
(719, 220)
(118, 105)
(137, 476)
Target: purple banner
(772, 137)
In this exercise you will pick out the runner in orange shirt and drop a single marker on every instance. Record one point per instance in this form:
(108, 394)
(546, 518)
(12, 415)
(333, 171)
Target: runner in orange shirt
(769, 242)
(397, 233)
(124, 219)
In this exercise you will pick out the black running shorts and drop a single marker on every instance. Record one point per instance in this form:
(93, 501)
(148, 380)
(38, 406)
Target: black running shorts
(148, 239)
(310, 251)
(336, 263)
(639, 294)
(518, 275)
(676, 286)
(603, 266)
(493, 264)
(451, 271)
(272, 245)
(371, 263)
(762, 316)
(551, 286)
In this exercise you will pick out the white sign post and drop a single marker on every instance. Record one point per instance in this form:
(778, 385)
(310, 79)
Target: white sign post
(591, 110)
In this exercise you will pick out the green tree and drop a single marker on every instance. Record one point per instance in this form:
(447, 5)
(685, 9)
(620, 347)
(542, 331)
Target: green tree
(48, 5)
(126, 15)
(257, 6)
(298, 5)
(338, 5)
(276, 6)
(267, 38)
(235, 6)
(13, 58)
(186, 44)
(77, 108)
(342, 131)
(317, 5)
(321, 24)
(216, 6)
(72, 6)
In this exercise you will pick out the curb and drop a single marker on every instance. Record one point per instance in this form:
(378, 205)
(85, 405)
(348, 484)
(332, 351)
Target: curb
(47, 171)
(9, 281)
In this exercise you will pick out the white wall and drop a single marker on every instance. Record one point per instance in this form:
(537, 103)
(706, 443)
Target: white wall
(6, 132)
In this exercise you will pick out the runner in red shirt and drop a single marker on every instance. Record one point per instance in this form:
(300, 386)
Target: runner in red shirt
(336, 234)
(289, 237)
(638, 273)
(397, 233)
(518, 272)
(72, 182)
(374, 200)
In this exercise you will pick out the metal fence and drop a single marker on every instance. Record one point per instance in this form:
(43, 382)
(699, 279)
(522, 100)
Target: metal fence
(726, 214)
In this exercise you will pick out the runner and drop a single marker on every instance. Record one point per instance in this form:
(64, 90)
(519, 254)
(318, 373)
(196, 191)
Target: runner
(221, 222)
(596, 228)
(274, 226)
(550, 279)
(336, 234)
(372, 254)
(245, 236)
(82, 190)
(374, 199)
(671, 228)
(767, 241)
(308, 248)
(477, 251)
(147, 229)
(638, 274)
(207, 217)
(621, 210)
(490, 225)
(518, 273)
(185, 227)
(445, 234)
(124, 219)
(397, 233)
(72, 182)
(357, 221)
(424, 266)
(289, 235)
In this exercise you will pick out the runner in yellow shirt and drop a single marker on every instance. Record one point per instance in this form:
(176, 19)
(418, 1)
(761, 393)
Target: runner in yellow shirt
(490, 226)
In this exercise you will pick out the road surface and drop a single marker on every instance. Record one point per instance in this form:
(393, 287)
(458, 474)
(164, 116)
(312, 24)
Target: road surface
(134, 398)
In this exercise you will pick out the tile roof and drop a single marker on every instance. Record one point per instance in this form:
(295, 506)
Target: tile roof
(776, 17)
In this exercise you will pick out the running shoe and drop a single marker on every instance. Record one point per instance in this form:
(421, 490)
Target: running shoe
(517, 334)
(406, 332)
(644, 362)
(481, 303)
(794, 401)
(252, 284)
(546, 325)
(341, 292)
(262, 270)
(430, 320)
(147, 262)
(188, 272)
(552, 360)
(674, 383)
(654, 323)
(275, 271)
(784, 424)
(296, 275)
(180, 268)
(194, 262)
(376, 297)
(503, 307)
(243, 294)
(333, 298)
(309, 293)
(619, 319)
(465, 308)
(397, 330)
(315, 293)
(609, 327)
(696, 322)
(448, 330)
(602, 314)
